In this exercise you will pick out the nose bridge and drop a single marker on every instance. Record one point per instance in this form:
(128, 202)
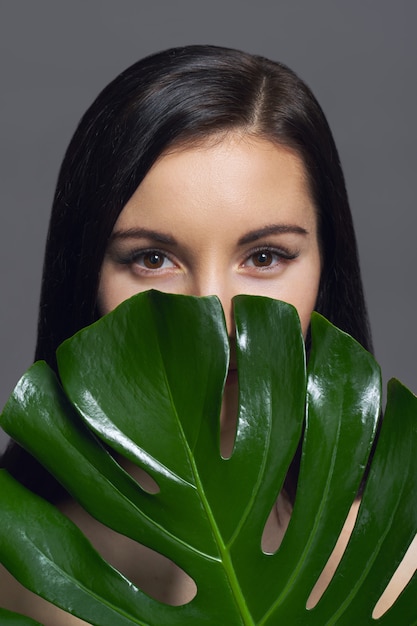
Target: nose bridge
(216, 281)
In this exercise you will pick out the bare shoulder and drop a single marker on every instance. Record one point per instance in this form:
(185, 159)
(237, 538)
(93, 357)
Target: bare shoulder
(14, 597)
(10, 590)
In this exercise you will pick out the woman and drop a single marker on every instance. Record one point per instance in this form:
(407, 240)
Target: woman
(183, 97)
(198, 170)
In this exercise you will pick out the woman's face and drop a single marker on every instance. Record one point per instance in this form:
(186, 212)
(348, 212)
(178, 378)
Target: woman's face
(233, 216)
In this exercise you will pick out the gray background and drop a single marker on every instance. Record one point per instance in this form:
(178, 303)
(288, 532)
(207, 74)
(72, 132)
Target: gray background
(358, 56)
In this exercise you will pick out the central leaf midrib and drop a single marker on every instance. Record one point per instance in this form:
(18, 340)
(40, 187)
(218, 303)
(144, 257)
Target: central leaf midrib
(225, 559)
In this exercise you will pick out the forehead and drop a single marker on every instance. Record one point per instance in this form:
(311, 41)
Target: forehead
(234, 178)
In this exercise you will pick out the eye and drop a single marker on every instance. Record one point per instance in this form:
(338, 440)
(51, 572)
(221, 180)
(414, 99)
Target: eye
(152, 260)
(264, 258)
(268, 257)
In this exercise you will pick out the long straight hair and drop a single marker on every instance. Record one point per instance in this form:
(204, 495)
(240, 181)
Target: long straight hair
(179, 97)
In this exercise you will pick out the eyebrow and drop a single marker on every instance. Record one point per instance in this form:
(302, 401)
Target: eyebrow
(250, 237)
(143, 233)
(273, 229)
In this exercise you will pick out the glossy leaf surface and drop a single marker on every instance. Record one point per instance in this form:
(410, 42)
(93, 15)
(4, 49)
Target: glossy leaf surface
(7, 618)
(147, 381)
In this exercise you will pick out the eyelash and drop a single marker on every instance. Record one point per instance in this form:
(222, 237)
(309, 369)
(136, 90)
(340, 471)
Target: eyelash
(282, 255)
(134, 256)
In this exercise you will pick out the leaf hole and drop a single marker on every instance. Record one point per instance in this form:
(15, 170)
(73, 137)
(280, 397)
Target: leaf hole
(276, 524)
(334, 559)
(398, 582)
(144, 480)
(229, 415)
(152, 572)
(280, 515)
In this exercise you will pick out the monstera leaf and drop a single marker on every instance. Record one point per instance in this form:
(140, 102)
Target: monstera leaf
(146, 382)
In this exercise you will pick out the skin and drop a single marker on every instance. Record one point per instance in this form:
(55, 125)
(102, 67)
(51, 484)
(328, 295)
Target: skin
(207, 200)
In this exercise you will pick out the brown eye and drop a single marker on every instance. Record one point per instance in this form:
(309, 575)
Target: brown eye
(263, 258)
(153, 260)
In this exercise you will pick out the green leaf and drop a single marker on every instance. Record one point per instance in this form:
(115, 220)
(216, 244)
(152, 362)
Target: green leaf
(7, 618)
(146, 381)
